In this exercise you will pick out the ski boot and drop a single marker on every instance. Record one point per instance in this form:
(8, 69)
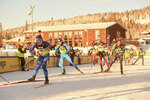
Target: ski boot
(23, 69)
(46, 80)
(107, 69)
(79, 70)
(64, 72)
(101, 69)
(32, 78)
(122, 72)
(94, 62)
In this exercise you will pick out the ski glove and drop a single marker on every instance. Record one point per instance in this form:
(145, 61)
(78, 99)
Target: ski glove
(36, 57)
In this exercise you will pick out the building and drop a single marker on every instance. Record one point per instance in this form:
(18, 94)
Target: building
(14, 43)
(80, 34)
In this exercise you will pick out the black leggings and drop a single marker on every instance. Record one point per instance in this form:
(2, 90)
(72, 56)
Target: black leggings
(22, 61)
(120, 57)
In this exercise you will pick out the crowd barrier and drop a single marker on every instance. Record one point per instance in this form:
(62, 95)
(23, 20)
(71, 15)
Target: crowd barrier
(12, 63)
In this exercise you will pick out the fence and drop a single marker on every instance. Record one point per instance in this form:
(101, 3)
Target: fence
(12, 63)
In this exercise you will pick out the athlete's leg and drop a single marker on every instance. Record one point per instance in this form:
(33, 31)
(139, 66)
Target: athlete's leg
(105, 60)
(100, 61)
(62, 61)
(44, 64)
(121, 65)
(38, 64)
(136, 60)
(69, 59)
(142, 60)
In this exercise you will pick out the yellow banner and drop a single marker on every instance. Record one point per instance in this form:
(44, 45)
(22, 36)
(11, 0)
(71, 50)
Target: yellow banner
(14, 64)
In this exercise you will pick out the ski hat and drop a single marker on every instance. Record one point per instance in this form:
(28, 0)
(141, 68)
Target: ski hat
(60, 40)
(38, 37)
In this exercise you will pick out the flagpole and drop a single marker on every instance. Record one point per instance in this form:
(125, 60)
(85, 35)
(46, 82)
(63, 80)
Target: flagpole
(31, 13)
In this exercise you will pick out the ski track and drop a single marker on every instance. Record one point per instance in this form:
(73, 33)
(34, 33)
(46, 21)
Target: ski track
(133, 85)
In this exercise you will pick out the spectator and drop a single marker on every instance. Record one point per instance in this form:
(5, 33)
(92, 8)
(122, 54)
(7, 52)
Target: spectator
(21, 52)
(72, 54)
(58, 57)
(141, 54)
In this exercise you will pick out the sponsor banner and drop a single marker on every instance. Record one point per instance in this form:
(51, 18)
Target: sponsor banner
(14, 64)
(9, 64)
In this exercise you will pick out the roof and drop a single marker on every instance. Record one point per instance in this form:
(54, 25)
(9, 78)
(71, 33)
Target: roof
(74, 27)
(22, 38)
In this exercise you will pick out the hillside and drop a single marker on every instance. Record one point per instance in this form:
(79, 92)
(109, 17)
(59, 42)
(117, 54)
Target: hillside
(135, 21)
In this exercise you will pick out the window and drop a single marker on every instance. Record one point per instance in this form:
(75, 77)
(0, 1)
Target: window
(29, 36)
(80, 38)
(76, 38)
(60, 34)
(97, 34)
(70, 39)
(78, 35)
(118, 34)
(50, 37)
(14, 46)
(107, 37)
(65, 37)
(56, 37)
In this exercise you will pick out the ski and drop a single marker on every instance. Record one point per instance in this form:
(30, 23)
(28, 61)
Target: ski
(102, 72)
(97, 72)
(43, 85)
(25, 81)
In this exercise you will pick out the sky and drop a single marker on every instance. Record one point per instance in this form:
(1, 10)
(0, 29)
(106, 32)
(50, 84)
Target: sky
(14, 13)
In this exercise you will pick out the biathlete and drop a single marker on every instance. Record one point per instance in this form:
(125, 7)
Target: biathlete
(94, 53)
(118, 51)
(43, 48)
(64, 49)
(101, 54)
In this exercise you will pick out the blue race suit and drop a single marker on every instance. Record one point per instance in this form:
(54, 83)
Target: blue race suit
(63, 50)
(43, 50)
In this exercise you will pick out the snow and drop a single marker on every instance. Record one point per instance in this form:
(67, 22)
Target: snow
(144, 21)
(134, 85)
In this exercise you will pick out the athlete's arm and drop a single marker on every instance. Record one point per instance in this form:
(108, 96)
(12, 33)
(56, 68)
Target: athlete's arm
(32, 48)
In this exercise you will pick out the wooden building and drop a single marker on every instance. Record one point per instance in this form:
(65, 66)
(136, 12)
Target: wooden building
(80, 34)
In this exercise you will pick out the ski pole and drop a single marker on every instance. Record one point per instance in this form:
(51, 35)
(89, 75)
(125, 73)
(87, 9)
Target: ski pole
(4, 79)
(35, 58)
(30, 61)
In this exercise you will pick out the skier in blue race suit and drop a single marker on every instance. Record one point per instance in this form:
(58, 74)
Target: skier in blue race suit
(64, 49)
(43, 48)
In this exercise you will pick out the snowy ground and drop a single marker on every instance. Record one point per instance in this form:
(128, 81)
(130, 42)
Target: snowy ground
(134, 85)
